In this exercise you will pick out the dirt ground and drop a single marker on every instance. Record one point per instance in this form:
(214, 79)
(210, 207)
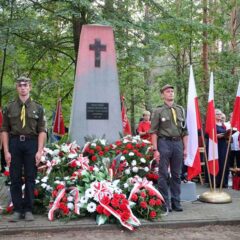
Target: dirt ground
(207, 232)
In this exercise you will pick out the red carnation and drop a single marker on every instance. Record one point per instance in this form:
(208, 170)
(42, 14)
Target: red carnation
(36, 193)
(9, 209)
(152, 202)
(106, 149)
(115, 202)
(64, 199)
(91, 168)
(125, 151)
(94, 158)
(138, 145)
(118, 151)
(61, 154)
(125, 216)
(139, 154)
(91, 152)
(118, 143)
(143, 194)
(106, 212)
(116, 195)
(123, 207)
(105, 200)
(73, 164)
(98, 148)
(143, 205)
(143, 144)
(152, 214)
(59, 187)
(151, 193)
(6, 173)
(54, 193)
(125, 201)
(134, 197)
(129, 146)
(99, 209)
(158, 202)
(101, 153)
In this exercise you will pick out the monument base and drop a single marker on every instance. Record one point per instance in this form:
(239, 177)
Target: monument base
(188, 191)
(215, 197)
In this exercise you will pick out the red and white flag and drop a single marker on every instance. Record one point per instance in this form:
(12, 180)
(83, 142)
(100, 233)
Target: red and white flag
(58, 125)
(235, 123)
(194, 124)
(212, 132)
(125, 122)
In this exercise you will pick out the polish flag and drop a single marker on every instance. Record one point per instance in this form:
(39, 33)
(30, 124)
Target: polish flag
(212, 132)
(235, 123)
(125, 122)
(58, 125)
(194, 124)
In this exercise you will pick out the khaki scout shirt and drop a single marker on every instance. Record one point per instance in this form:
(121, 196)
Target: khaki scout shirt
(35, 119)
(163, 122)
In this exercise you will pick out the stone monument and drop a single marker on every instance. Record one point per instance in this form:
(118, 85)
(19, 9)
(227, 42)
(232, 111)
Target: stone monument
(96, 108)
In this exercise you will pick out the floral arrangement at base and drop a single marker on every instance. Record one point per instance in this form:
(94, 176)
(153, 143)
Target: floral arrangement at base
(107, 181)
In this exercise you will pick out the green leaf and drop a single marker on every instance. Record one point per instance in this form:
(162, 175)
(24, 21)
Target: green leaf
(101, 219)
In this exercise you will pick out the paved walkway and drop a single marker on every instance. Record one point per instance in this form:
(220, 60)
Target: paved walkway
(195, 214)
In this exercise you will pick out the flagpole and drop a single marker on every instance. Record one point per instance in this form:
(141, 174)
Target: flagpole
(214, 166)
(226, 157)
(206, 160)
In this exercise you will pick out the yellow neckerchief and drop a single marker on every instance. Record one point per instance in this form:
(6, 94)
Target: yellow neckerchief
(174, 115)
(23, 114)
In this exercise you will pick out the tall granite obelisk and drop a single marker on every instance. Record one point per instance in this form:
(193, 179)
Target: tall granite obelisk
(96, 109)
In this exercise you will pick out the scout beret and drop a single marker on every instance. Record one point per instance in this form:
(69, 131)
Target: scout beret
(166, 87)
(23, 79)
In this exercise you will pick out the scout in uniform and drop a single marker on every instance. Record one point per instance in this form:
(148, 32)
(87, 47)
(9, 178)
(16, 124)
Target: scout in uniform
(23, 135)
(169, 139)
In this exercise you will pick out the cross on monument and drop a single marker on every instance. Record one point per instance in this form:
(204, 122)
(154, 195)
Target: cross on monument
(98, 48)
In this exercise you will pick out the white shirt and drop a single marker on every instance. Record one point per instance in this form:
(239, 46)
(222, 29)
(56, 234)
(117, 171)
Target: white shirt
(235, 144)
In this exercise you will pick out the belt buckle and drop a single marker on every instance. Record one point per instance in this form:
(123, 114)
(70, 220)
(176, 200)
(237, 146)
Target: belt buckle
(22, 138)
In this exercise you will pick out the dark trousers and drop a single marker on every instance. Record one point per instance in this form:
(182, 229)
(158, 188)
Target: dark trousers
(23, 164)
(171, 154)
(234, 155)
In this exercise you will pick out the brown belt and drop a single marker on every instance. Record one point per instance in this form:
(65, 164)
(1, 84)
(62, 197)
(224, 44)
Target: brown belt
(23, 138)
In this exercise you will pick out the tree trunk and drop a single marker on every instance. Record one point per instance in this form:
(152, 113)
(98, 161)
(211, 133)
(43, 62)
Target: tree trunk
(233, 29)
(147, 73)
(205, 52)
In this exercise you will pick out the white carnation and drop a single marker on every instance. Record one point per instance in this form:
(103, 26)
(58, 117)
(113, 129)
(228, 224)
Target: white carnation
(131, 154)
(134, 163)
(83, 199)
(146, 169)
(36, 181)
(127, 171)
(70, 199)
(135, 169)
(125, 185)
(122, 158)
(45, 179)
(143, 160)
(43, 185)
(56, 152)
(93, 144)
(89, 193)
(91, 207)
(70, 206)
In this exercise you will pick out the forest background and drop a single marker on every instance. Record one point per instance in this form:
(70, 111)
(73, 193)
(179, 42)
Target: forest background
(156, 41)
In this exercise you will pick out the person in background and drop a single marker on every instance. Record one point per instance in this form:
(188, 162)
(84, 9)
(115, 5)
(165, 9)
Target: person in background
(144, 126)
(234, 156)
(23, 135)
(222, 148)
